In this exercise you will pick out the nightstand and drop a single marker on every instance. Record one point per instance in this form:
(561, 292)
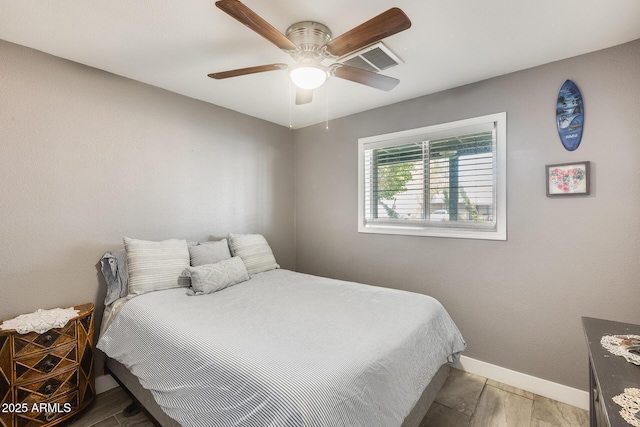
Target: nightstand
(47, 378)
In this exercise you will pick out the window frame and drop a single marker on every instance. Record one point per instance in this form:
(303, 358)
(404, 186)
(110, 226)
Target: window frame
(499, 121)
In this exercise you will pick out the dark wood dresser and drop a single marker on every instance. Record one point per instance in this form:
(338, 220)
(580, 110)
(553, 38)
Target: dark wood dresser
(609, 374)
(47, 378)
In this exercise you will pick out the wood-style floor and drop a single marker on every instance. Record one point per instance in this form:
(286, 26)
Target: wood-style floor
(466, 400)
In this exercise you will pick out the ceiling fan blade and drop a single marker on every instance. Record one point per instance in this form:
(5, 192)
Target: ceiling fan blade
(248, 17)
(365, 77)
(304, 96)
(248, 70)
(384, 25)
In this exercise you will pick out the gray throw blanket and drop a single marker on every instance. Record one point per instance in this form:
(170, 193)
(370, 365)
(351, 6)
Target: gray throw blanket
(114, 270)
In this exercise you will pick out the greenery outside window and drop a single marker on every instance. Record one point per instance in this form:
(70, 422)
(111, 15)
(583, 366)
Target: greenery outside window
(446, 180)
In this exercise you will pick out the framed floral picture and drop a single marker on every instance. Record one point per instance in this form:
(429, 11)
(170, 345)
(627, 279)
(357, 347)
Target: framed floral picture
(568, 179)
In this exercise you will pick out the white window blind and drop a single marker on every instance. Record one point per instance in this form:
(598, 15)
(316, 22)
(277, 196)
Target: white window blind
(444, 180)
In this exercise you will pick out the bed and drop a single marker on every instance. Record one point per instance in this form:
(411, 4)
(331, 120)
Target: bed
(282, 349)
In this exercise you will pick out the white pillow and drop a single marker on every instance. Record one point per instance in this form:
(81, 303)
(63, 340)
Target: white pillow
(209, 278)
(209, 252)
(153, 266)
(254, 251)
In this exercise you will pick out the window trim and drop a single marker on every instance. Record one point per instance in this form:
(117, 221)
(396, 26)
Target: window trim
(429, 132)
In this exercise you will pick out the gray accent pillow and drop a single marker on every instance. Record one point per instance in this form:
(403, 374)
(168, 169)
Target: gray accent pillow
(209, 253)
(209, 278)
(254, 251)
(153, 266)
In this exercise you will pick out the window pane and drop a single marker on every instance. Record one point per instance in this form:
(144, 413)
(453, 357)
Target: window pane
(461, 178)
(397, 178)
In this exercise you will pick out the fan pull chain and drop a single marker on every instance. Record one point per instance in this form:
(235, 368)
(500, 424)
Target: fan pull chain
(290, 106)
(326, 99)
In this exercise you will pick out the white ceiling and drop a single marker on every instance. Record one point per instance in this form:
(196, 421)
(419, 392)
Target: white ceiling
(175, 44)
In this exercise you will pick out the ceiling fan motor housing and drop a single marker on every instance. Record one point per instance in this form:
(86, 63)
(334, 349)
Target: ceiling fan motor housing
(310, 37)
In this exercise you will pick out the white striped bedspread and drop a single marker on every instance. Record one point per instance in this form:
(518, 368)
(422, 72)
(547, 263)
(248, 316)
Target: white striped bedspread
(284, 349)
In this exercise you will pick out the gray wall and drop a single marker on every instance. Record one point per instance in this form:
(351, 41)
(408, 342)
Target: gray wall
(519, 302)
(87, 157)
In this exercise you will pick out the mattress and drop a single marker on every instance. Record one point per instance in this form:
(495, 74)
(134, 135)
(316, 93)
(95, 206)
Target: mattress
(284, 349)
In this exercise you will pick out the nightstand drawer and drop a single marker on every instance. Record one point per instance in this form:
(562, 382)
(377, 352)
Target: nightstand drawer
(48, 388)
(33, 342)
(34, 367)
(49, 411)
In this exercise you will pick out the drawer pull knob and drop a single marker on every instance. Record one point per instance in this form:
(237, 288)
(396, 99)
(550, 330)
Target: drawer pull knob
(48, 367)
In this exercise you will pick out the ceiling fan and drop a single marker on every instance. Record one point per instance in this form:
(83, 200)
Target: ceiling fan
(310, 43)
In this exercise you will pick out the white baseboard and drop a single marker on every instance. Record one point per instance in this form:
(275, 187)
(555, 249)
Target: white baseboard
(555, 391)
(105, 383)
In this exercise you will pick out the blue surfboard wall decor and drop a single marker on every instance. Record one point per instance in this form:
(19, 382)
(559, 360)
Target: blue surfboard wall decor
(570, 115)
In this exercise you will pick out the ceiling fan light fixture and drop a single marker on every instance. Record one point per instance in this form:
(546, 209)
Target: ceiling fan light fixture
(308, 76)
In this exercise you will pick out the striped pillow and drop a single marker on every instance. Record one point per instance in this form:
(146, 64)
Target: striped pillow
(153, 266)
(209, 252)
(254, 251)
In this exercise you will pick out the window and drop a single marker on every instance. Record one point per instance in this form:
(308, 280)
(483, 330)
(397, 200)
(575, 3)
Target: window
(447, 180)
